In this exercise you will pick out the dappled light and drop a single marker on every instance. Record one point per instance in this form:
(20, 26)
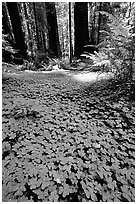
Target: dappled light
(91, 76)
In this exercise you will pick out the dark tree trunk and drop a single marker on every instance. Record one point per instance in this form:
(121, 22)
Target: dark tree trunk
(92, 17)
(44, 40)
(54, 45)
(70, 32)
(129, 12)
(37, 30)
(41, 26)
(7, 29)
(80, 26)
(17, 27)
(93, 32)
(99, 22)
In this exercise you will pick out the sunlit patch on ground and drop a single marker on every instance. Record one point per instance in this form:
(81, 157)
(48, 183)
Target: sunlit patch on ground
(91, 76)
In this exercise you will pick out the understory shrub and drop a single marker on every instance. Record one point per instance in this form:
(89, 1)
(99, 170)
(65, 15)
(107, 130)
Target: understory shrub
(116, 51)
(8, 51)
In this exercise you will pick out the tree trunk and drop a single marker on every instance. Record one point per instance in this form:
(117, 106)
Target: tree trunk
(30, 38)
(70, 33)
(129, 12)
(54, 45)
(99, 22)
(36, 23)
(92, 17)
(80, 26)
(7, 28)
(93, 34)
(62, 42)
(17, 27)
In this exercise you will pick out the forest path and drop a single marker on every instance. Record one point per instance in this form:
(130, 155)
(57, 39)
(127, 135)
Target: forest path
(58, 128)
(81, 76)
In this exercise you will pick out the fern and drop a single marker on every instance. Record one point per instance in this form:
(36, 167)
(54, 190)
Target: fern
(6, 45)
(116, 51)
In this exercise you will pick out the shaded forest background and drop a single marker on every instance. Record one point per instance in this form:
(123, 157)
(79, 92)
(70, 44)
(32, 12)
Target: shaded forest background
(43, 33)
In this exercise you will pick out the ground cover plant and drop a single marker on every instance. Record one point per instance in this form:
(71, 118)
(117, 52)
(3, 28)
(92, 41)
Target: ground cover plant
(67, 141)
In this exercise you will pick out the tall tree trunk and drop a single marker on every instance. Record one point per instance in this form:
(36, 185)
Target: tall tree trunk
(30, 39)
(99, 22)
(80, 26)
(129, 12)
(7, 28)
(66, 39)
(62, 42)
(70, 39)
(37, 30)
(42, 37)
(44, 40)
(54, 45)
(17, 27)
(92, 17)
(93, 37)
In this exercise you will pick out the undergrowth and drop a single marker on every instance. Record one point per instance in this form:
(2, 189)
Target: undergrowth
(116, 51)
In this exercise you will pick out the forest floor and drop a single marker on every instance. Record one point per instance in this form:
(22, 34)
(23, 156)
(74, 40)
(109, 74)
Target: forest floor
(65, 140)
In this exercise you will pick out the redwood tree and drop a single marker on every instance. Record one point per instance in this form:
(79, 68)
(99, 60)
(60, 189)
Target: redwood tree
(99, 22)
(54, 45)
(36, 23)
(80, 26)
(70, 37)
(6, 26)
(17, 27)
(29, 37)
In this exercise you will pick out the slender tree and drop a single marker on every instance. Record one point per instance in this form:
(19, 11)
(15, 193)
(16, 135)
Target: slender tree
(80, 26)
(17, 27)
(6, 25)
(62, 41)
(70, 32)
(36, 23)
(29, 36)
(42, 25)
(91, 23)
(99, 22)
(130, 6)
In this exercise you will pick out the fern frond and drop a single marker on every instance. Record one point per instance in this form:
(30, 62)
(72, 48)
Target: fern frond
(117, 47)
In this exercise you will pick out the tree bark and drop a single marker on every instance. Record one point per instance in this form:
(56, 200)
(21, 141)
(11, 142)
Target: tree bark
(7, 28)
(70, 39)
(36, 23)
(54, 45)
(80, 26)
(91, 23)
(99, 22)
(62, 42)
(17, 28)
(129, 12)
(30, 38)
(93, 34)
